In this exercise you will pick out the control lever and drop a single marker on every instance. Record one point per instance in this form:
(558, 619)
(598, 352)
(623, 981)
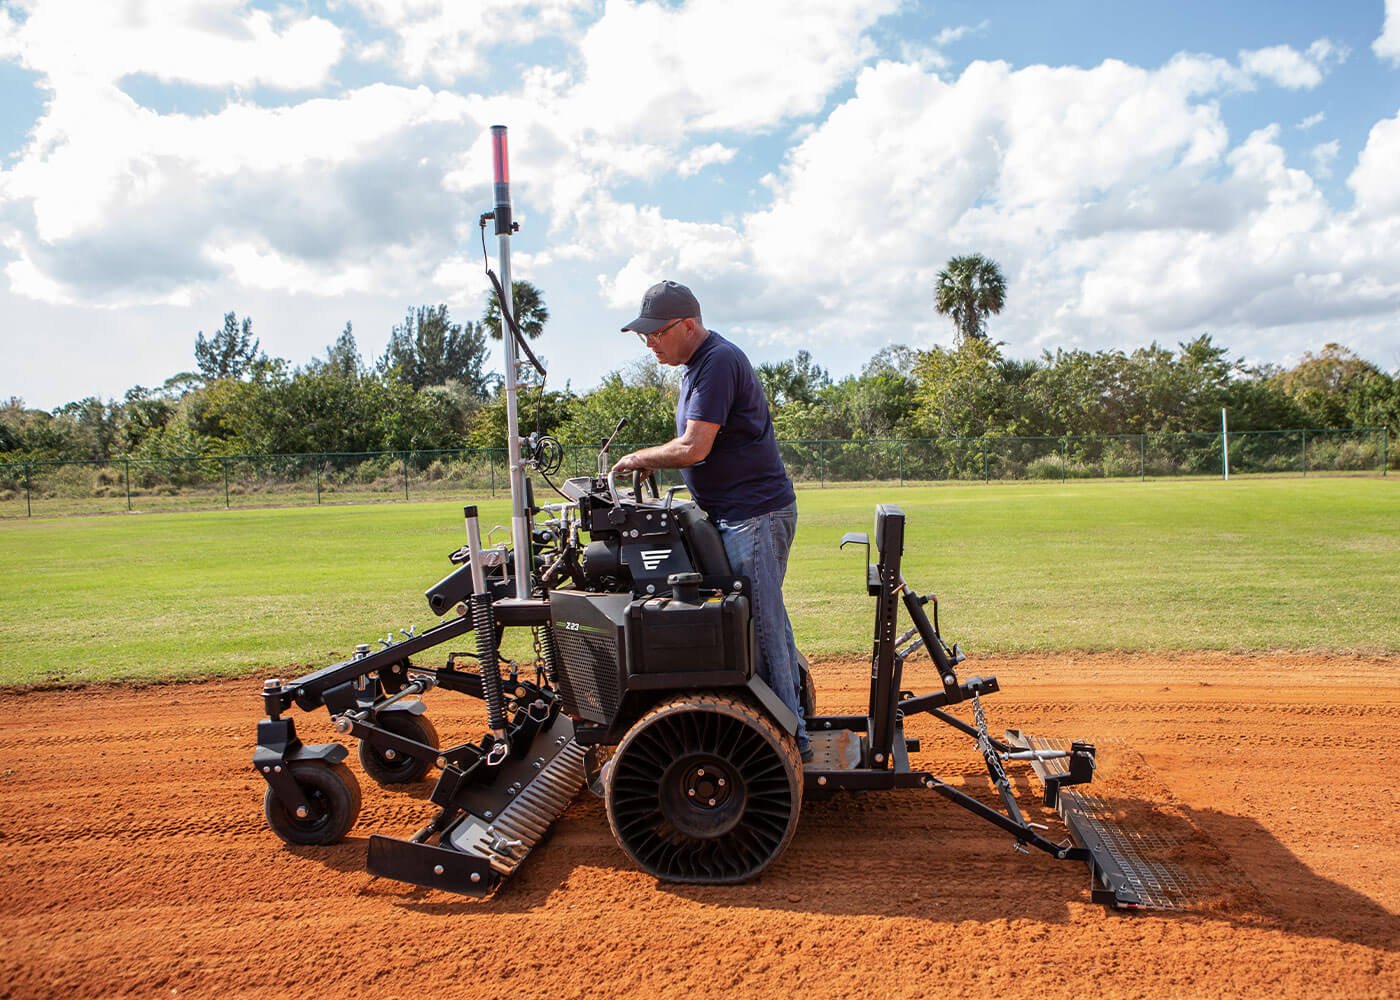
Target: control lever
(603, 460)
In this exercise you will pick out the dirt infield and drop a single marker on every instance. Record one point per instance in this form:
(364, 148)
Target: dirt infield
(134, 858)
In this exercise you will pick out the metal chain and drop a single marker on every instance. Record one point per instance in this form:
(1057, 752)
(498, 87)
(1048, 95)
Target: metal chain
(984, 741)
(539, 654)
(546, 656)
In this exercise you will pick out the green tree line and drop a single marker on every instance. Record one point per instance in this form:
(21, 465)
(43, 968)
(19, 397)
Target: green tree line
(433, 389)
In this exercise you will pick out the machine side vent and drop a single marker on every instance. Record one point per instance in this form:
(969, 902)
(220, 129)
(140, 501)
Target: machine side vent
(589, 684)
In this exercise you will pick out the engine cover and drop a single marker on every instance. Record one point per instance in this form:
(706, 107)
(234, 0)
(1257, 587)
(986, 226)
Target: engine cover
(614, 650)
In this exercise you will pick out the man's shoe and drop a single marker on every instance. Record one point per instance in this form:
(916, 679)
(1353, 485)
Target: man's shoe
(807, 755)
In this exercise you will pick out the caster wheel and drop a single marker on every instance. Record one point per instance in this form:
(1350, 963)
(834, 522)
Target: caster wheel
(333, 797)
(389, 767)
(706, 790)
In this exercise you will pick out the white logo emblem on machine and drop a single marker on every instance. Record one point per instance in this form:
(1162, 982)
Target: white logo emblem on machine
(652, 558)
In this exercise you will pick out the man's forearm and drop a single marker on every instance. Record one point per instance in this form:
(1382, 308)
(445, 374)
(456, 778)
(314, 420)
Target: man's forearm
(674, 454)
(679, 453)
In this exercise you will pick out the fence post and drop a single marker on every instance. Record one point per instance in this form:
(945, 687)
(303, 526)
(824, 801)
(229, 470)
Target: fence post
(318, 479)
(126, 475)
(1385, 442)
(1064, 458)
(491, 464)
(899, 446)
(986, 469)
(404, 460)
(1142, 457)
(1305, 454)
(28, 510)
(821, 462)
(224, 463)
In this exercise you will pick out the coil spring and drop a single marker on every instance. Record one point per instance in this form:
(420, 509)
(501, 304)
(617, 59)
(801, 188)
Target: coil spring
(483, 622)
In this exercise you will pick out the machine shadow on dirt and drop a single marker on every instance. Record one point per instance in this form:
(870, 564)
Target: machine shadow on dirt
(1298, 898)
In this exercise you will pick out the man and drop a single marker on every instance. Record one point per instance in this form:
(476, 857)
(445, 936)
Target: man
(728, 456)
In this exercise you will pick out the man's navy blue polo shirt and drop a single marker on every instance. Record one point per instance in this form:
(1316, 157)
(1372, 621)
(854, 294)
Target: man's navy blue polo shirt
(743, 476)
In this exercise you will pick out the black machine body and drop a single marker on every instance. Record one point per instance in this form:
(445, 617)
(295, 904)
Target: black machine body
(648, 642)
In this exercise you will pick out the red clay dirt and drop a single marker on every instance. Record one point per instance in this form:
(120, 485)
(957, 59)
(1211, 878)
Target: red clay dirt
(136, 859)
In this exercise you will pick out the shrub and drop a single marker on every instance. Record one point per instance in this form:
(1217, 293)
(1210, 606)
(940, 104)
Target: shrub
(1047, 467)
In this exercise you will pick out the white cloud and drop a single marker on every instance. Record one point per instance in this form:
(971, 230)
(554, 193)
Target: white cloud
(205, 43)
(10, 44)
(1112, 197)
(950, 35)
(705, 156)
(1375, 181)
(929, 55)
(658, 73)
(1387, 43)
(115, 203)
(1289, 68)
(998, 158)
(1310, 121)
(445, 40)
(1323, 155)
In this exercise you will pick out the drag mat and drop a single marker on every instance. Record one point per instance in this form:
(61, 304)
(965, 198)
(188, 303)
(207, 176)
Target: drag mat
(134, 859)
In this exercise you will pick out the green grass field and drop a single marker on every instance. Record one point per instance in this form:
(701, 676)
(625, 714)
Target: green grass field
(1246, 565)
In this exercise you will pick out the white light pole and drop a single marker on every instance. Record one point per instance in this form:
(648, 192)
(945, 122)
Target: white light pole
(1224, 444)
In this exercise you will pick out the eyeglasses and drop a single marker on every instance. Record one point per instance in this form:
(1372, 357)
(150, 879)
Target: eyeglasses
(647, 338)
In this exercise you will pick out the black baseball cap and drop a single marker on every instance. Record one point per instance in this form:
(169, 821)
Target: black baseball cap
(663, 303)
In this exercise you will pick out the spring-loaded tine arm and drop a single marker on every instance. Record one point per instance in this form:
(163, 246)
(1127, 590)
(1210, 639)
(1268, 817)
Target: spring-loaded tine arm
(484, 625)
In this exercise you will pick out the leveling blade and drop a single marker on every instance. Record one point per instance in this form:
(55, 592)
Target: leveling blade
(487, 830)
(1122, 874)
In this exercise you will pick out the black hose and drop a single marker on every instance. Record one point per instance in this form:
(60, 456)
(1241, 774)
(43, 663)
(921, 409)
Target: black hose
(510, 322)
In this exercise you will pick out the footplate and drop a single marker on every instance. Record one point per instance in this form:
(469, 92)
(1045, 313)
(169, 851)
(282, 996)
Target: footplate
(1121, 875)
(836, 750)
(497, 826)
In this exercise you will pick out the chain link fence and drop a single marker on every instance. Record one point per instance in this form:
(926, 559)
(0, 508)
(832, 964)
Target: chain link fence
(51, 488)
(1101, 456)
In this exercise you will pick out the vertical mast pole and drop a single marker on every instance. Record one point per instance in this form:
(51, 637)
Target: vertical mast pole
(519, 516)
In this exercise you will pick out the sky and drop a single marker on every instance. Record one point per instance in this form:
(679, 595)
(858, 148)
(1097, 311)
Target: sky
(1140, 171)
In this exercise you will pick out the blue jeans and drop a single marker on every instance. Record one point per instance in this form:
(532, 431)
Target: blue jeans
(758, 548)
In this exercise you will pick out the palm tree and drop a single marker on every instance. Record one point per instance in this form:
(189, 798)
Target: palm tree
(969, 290)
(530, 311)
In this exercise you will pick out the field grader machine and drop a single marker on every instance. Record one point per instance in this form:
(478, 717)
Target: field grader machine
(642, 689)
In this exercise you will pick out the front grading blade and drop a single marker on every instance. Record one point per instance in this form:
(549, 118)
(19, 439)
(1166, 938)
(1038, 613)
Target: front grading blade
(1123, 873)
(492, 827)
